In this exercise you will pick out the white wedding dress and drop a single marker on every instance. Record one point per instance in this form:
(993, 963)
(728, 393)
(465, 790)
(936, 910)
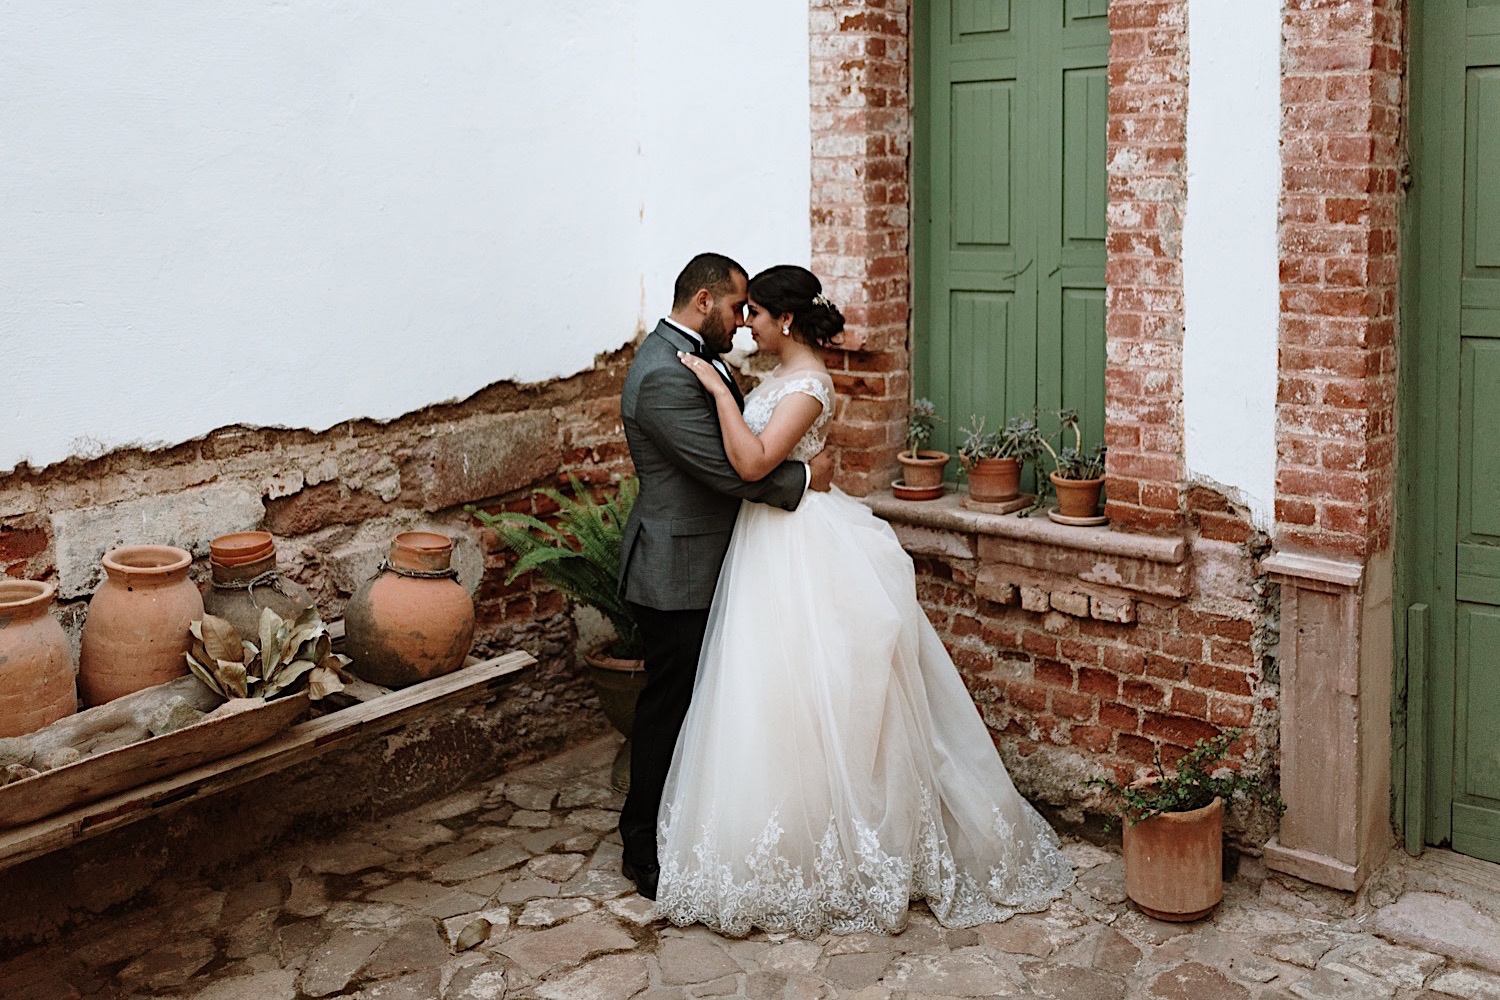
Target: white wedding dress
(833, 767)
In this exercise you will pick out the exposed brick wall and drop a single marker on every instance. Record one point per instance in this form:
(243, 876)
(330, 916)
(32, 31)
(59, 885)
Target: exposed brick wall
(860, 211)
(1147, 194)
(1342, 99)
(1079, 694)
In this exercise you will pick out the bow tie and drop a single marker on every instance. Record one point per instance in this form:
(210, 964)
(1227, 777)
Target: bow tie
(703, 351)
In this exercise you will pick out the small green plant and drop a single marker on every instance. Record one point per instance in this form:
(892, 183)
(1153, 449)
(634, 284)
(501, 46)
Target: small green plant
(290, 655)
(1199, 777)
(580, 554)
(1071, 462)
(920, 422)
(1018, 439)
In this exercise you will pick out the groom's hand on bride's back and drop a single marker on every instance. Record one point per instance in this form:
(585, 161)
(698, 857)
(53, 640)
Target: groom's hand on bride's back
(821, 468)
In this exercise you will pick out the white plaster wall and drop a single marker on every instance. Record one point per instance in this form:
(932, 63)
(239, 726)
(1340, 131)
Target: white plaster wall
(293, 214)
(1230, 261)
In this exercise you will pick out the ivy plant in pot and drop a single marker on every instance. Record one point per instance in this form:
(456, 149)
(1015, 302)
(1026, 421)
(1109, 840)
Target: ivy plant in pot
(921, 467)
(994, 460)
(1077, 476)
(1173, 835)
(579, 554)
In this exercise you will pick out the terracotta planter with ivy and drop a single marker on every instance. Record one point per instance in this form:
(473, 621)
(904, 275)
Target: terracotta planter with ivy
(1174, 863)
(994, 480)
(1077, 497)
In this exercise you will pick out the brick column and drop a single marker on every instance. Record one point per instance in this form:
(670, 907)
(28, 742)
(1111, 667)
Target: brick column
(1335, 429)
(1143, 294)
(861, 194)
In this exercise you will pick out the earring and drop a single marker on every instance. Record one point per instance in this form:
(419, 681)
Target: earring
(786, 331)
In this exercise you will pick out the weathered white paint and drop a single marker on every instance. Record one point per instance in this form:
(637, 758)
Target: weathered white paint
(1229, 254)
(295, 214)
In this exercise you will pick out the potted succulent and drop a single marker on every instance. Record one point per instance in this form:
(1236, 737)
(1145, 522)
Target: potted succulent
(580, 556)
(994, 459)
(1077, 477)
(921, 468)
(1173, 833)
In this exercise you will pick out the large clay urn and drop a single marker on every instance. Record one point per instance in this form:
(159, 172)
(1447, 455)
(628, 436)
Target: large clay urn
(36, 663)
(137, 629)
(414, 620)
(1174, 862)
(245, 581)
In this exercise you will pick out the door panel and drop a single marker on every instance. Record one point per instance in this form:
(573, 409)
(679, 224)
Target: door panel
(1451, 430)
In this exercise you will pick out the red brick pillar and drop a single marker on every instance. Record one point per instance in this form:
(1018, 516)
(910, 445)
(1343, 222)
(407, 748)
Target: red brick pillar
(1335, 433)
(861, 195)
(1143, 295)
(1335, 428)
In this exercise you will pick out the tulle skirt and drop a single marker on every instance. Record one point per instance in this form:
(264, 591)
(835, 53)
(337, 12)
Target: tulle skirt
(833, 767)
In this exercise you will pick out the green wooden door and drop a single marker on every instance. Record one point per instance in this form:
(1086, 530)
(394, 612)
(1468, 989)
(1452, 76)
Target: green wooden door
(1451, 430)
(1009, 198)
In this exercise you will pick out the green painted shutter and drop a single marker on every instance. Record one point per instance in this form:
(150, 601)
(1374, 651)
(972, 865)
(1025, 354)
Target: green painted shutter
(1010, 199)
(1451, 433)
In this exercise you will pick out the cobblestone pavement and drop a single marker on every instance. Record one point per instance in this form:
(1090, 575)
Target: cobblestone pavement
(512, 889)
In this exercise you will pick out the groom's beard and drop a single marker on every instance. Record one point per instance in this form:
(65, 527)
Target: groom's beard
(715, 337)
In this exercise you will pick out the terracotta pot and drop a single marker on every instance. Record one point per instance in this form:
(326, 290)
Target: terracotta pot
(995, 480)
(36, 662)
(245, 581)
(924, 469)
(1077, 497)
(618, 683)
(137, 629)
(240, 548)
(413, 621)
(1174, 863)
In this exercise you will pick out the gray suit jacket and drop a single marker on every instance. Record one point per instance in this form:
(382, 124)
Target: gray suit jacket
(690, 495)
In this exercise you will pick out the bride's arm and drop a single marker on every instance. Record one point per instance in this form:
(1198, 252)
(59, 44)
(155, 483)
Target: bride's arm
(754, 457)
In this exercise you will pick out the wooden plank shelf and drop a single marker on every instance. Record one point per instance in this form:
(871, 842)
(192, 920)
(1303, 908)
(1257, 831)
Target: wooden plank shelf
(476, 682)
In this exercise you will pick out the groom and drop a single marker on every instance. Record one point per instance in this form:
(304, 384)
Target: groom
(679, 528)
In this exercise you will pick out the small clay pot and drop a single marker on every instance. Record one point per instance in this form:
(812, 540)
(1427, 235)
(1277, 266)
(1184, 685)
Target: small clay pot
(137, 629)
(403, 626)
(36, 663)
(995, 480)
(245, 581)
(923, 470)
(1174, 863)
(1077, 497)
(241, 548)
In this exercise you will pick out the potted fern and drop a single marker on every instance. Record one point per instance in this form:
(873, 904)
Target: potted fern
(579, 554)
(1173, 837)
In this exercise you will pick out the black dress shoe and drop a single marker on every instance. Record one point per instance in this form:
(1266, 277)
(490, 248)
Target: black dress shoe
(644, 877)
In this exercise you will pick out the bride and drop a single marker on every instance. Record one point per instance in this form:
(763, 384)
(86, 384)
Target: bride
(833, 766)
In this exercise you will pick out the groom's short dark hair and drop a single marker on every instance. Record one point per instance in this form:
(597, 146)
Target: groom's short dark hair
(707, 270)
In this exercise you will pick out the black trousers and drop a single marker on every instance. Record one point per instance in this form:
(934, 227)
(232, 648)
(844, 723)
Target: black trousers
(673, 640)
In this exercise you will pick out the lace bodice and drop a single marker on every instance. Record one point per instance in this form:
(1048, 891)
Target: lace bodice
(762, 401)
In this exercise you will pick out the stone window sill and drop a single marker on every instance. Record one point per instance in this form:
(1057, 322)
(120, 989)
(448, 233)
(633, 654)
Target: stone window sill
(1087, 572)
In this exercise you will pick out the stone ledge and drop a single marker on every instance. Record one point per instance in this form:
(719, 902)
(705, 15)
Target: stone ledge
(1317, 569)
(1035, 551)
(946, 513)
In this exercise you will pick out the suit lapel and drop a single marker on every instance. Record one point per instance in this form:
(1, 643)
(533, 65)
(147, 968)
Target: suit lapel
(682, 342)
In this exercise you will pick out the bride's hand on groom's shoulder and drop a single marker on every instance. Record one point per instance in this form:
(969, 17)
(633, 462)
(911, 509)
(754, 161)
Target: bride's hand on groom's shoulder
(706, 372)
(821, 468)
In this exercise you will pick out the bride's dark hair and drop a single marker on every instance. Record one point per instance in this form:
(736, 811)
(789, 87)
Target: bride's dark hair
(787, 288)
